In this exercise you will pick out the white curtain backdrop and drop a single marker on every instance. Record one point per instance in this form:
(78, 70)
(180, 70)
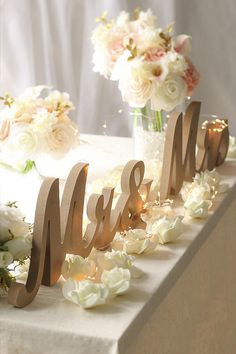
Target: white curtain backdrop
(48, 42)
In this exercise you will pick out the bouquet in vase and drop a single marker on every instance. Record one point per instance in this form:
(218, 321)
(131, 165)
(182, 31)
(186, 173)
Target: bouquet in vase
(153, 68)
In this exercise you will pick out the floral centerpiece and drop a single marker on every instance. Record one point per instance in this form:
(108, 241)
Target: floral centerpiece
(153, 68)
(15, 243)
(32, 125)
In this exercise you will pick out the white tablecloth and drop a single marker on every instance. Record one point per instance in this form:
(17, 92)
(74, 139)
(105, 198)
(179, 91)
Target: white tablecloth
(183, 304)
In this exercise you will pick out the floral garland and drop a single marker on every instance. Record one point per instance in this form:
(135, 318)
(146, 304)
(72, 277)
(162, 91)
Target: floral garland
(15, 243)
(149, 64)
(103, 275)
(32, 125)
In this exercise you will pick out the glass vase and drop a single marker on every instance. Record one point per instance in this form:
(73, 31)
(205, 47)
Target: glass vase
(148, 134)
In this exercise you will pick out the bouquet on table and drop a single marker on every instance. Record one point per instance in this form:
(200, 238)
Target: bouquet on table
(153, 69)
(15, 243)
(32, 125)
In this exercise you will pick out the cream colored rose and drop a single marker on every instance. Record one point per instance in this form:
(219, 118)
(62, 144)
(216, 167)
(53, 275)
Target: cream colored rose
(12, 223)
(61, 139)
(6, 258)
(197, 204)
(113, 259)
(22, 140)
(168, 94)
(85, 293)
(167, 228)
(135, 81)
(135, 241)
(76, 266)
(117, 280)
(19, 247)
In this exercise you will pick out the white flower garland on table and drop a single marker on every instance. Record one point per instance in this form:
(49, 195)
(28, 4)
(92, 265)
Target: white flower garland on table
(198, 195)
(94, 280)
(31, 125)
(15, 243)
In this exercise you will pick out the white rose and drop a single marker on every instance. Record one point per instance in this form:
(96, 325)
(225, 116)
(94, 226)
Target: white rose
(167, 229)
(212, 178)
(117, 280)
(12, 223)
(22, 140)
(75, 266)
(135, 241)
(19, 247)
(197, 204)
(135, 80)
(6, 258)
(156, 212)
(85, 293)
(61, 139)
(232, 147)
(168, 94)
(110, 260)
(197, 207)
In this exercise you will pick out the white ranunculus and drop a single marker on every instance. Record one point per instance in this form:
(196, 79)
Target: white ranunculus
(167, 229)
(168, 94)
(12, 223)
(176, 62)
(61, 139)
(117, 280)
(110, 260)
(232, 147)
(19, 247)
(186, 190)
(6, 258)
(74, 266)
(85, 293)
(22, 140)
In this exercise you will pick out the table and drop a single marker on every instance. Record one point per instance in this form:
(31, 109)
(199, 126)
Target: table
(183, 304)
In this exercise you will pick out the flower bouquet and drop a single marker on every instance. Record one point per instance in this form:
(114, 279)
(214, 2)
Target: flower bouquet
(153, 70)
(15, 243)
(32, 126)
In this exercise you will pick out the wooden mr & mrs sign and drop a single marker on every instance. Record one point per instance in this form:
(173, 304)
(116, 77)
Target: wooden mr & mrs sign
(58, 227)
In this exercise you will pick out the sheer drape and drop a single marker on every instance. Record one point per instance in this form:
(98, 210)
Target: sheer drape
(48, 42)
